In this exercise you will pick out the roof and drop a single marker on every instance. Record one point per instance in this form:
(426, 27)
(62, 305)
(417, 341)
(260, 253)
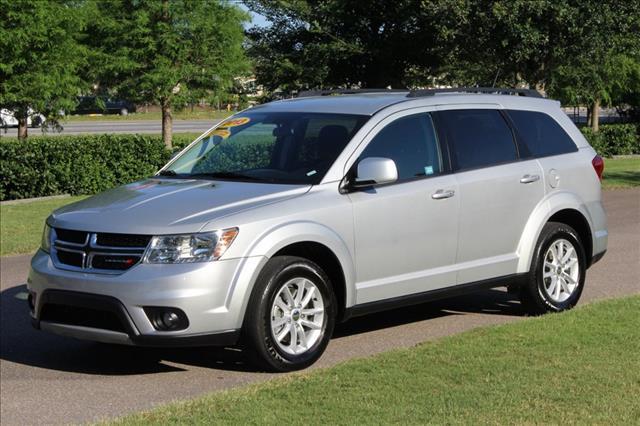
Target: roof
(370, 103)
(361, 104)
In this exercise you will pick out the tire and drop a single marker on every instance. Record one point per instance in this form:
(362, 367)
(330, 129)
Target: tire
(124, 111)
(267, 330)
(555, 282)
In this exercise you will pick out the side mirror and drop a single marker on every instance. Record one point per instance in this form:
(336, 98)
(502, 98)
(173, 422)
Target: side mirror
(375, 171)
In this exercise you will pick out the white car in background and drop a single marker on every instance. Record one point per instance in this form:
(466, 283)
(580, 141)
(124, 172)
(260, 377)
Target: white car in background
(8, 119)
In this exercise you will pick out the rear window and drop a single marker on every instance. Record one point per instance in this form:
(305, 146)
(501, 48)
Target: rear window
(478, 138)
(541, 134)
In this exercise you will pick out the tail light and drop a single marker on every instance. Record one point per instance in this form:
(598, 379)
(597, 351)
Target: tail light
(598, 165)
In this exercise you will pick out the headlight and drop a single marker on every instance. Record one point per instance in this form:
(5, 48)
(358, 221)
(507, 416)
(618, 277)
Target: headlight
(190, 248)
(45, 244)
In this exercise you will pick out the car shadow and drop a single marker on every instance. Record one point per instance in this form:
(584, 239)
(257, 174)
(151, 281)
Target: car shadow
(20, 343)
(493, 301)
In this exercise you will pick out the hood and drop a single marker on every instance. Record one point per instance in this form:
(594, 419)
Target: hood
(168, 206)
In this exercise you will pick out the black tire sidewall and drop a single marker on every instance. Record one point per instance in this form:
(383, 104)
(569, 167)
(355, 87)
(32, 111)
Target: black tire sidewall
(259, 322)
(554, 232)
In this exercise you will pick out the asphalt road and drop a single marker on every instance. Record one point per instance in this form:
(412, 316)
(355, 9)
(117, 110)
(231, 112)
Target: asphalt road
(51, 380)
(123, 126)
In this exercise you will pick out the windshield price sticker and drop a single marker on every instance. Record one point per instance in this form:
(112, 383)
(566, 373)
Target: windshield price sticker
(234, 122)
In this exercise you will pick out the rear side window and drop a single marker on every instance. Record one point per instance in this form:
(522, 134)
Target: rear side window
(478, 138)
(411, 143)
(541, 134)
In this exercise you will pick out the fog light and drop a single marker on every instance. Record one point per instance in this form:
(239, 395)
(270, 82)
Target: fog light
(169, 319)
(166, 319)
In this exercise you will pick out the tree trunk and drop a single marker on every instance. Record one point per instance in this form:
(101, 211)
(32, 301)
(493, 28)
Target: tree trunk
(167, 124)
(22, 128)
(595, 115)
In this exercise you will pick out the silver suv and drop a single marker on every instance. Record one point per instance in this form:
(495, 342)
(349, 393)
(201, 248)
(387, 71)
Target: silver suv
(291, 216)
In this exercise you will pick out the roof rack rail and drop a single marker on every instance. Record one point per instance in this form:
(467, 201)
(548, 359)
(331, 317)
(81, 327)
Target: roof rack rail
(328, 92)
(495, 90)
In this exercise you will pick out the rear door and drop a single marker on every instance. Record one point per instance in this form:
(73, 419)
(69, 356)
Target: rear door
(543, 138)
(498, 191)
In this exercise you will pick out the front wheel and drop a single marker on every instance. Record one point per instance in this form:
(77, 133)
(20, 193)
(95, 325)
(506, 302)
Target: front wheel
(291, 314)
(557, 273)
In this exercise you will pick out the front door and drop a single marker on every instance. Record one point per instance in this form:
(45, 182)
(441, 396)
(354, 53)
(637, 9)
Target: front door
(406, 232)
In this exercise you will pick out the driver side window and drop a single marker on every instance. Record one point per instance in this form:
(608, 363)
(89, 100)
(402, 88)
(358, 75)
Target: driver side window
(411, 142)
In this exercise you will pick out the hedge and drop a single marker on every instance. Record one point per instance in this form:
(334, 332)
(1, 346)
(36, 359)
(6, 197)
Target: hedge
(83, 164)
(614, 139)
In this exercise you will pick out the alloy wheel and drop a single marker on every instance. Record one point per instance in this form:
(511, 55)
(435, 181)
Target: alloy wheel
(561, 270)
(297, 316)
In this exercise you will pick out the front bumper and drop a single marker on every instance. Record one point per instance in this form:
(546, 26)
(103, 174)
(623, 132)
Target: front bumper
(125, 332)
(213, 296)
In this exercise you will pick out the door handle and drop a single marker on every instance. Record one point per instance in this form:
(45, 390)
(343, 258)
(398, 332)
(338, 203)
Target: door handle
(529, 178)
(441, 194)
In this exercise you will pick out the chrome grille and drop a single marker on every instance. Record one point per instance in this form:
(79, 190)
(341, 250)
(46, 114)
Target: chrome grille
(97, 252)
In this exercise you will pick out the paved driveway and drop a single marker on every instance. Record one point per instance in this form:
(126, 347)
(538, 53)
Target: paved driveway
(50, 379)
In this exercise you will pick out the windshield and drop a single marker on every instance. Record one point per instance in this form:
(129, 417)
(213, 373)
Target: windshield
(294, 148)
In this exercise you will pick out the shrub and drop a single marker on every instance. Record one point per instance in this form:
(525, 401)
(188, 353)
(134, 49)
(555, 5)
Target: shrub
(614, 139)
(596, 140)
(83, 164)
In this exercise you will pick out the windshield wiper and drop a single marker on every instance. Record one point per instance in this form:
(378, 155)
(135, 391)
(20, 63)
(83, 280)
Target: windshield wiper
(167, 173)
(226, 175)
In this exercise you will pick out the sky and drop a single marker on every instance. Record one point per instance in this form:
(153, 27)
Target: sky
(256, 20)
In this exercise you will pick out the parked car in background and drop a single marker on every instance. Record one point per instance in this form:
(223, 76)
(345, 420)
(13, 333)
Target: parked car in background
(8, 119)
(103, 105)
(292, 216)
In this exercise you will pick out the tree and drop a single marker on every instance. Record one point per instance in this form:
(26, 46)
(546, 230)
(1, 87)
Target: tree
(596, 84)
(39, 58)
(351, 43)
(604, 71)
(167, 52)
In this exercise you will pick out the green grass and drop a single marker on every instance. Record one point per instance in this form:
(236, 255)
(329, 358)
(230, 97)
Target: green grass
(621, 172)
(579, 367)
(21, 224)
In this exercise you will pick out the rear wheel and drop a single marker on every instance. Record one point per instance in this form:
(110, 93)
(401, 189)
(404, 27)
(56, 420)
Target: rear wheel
(291, 315)
(557, 273)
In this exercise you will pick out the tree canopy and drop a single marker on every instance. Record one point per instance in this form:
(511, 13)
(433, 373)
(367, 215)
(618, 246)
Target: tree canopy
(330, 43)
(347, 43)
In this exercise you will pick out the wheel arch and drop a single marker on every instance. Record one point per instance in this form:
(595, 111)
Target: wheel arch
(563, 208)
(326, 259)
(318, 244)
